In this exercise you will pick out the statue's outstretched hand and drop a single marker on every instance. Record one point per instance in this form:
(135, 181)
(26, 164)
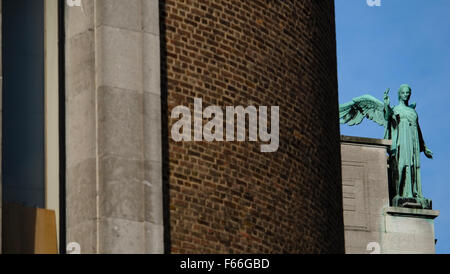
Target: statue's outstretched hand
(428, 153)
(386, 97)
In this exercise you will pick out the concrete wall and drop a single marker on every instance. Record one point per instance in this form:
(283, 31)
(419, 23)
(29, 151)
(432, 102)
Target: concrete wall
(365, 191)
(114, 177)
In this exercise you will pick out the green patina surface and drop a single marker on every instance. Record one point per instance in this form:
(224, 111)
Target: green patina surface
(401, 125)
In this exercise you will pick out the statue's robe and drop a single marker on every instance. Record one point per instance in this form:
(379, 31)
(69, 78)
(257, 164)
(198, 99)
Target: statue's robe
(407, 143)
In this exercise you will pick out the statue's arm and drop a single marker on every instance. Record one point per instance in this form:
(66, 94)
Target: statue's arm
(423, 147)
(388, 112)
(421, 141)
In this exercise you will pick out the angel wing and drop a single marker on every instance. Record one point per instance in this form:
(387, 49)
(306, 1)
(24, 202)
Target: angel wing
(366, 106)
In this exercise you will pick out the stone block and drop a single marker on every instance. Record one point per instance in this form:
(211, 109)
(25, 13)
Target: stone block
(120, 129)
(152, 127)
(79, 20)
(81, 186)
(119, 236)
(80, 64)
(402, 243)
(80, 128)
(150, 10)
(152, 64)
(85, 235)
(120, 14)
(119, 58)
(121, 188)
(154, 235)
(153, 192)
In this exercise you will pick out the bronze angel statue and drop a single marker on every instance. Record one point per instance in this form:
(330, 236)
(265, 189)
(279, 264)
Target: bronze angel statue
(401, 125)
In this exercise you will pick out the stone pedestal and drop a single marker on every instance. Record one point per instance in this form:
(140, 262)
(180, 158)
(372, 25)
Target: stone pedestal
(412, 202)
(371, 224)
(408, 230)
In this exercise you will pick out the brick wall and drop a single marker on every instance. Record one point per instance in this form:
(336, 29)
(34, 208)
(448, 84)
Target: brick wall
(228, 197)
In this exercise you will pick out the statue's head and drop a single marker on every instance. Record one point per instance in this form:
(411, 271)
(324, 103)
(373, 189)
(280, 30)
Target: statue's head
(404, 93)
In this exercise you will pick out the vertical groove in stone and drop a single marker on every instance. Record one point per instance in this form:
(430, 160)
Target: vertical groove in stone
(1, 133)
(97, 176)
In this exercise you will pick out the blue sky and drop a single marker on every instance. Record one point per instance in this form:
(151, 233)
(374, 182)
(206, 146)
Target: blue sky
(402, 42)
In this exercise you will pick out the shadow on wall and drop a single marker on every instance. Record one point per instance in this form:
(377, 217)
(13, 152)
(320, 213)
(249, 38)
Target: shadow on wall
(165, 128)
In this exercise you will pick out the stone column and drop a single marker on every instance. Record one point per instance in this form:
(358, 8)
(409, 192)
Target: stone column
(114, 177)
